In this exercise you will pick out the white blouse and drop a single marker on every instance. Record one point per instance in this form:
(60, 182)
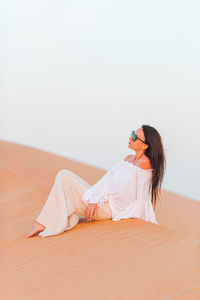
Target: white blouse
(126, 187)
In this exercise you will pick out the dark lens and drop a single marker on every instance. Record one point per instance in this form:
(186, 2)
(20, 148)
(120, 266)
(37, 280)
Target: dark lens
(133, 135)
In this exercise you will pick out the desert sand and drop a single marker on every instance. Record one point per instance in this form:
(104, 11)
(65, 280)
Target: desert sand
(99, 260)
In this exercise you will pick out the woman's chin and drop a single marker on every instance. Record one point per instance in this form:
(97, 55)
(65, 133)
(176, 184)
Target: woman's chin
(130, 146)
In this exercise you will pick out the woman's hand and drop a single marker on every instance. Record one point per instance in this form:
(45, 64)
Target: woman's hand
(91, 210)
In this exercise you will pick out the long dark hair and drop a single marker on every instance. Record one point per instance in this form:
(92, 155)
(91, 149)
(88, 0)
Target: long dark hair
(155, 152)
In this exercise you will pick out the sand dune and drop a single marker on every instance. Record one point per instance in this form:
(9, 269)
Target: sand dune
(128, 259)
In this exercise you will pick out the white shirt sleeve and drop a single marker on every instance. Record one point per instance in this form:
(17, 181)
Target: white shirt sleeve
(97, 191)
(143, 184)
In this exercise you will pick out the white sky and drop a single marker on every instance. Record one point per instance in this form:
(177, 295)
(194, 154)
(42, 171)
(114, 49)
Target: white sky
(77, 76)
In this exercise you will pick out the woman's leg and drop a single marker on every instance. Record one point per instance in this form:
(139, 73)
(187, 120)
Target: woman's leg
(62, 208)
(103, 211)
(64, 205)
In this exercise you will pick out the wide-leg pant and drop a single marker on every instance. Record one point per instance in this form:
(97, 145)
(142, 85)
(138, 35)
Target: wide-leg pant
(64, 206)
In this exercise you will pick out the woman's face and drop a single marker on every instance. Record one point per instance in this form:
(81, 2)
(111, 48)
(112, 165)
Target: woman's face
(137, 144)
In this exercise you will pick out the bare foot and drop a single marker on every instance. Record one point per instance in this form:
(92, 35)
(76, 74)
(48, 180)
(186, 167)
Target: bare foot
(36, 228)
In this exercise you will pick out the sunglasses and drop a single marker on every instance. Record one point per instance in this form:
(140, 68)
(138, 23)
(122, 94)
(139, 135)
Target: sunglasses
(135, 137)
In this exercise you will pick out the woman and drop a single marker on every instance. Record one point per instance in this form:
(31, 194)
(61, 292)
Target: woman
(128, 190)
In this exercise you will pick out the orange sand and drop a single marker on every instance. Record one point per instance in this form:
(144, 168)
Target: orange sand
(98, 260)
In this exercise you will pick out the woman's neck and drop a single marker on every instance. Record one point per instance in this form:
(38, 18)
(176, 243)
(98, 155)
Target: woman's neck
(138, 155)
